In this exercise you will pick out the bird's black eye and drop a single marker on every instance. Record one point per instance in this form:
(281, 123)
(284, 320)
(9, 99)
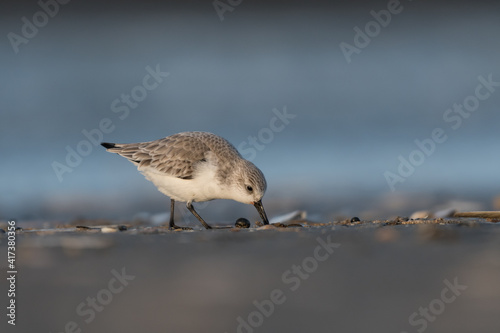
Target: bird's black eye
(249, 188)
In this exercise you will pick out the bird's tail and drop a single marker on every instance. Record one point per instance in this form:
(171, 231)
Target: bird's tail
(108, 145)
(127, 150)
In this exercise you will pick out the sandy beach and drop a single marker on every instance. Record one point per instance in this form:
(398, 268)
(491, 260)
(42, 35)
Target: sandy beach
(369, 276)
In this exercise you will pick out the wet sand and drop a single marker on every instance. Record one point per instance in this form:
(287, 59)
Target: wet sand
(368, 276)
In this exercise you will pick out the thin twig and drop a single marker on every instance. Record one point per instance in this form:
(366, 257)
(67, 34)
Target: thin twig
(479, 214)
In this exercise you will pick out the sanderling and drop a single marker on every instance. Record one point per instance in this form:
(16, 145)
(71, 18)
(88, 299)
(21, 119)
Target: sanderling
(195, 167)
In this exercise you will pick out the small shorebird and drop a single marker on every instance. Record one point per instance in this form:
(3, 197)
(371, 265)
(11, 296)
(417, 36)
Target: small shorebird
(195, 167)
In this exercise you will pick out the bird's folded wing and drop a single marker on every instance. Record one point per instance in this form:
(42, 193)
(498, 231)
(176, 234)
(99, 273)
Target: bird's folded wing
(170, 156)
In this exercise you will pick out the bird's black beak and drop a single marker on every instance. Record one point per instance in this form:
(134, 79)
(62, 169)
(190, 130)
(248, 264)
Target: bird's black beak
(261, 211)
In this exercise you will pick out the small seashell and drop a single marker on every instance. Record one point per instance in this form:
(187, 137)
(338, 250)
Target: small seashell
(107, 230)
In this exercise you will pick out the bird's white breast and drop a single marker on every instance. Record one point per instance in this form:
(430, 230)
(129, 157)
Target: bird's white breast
(203, 187)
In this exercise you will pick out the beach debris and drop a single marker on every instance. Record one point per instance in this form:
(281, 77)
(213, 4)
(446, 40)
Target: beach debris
(397, 221)
(479, 214)
(242, 223)
(355, 219)
(267, 227)
(461, 206)
(444, 213)
(447, 210)
(83, 227)
(122, 227)
(87, 229)
(107, 230)
(422, 214)
(426, 214)
(292, 216)
(291, 224)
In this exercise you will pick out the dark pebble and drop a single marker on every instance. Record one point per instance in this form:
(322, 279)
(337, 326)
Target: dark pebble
(122, 227)
(242, 223)
(355, 219)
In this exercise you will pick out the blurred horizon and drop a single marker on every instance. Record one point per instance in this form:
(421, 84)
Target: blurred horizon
(351, 121)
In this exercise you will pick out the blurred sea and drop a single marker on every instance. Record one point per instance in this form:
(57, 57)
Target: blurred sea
(348, 124)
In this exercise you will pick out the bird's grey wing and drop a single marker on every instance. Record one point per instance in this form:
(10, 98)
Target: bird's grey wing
(174, 155)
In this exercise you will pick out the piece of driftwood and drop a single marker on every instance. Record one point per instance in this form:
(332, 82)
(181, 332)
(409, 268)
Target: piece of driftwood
(479, 214)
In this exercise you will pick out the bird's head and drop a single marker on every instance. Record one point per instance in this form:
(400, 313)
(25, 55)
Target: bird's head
(250, 187)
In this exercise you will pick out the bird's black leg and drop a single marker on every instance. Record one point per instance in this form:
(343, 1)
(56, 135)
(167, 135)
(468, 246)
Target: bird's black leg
(171, 224)
(189, 206)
